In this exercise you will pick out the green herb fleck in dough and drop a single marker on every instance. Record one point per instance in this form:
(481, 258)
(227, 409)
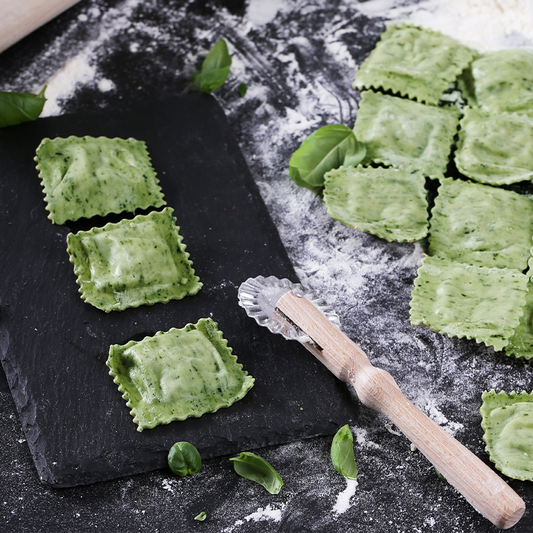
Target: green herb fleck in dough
(387, 202)
(502, 81)
(87, 176)
(178, 374)
(135, 262)
(481, 225)
(404, 134)
(507, 419)
(414, 62)
(495, 148)
(462, 300)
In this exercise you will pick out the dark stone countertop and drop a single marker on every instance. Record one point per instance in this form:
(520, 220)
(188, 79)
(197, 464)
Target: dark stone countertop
(298, 61)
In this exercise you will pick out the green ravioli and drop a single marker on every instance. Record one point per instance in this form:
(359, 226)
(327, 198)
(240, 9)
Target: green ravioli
(495, 148)
(133, 262)
(507, 419)
(413, 62)
(87, 176)
(462, 300)
(502, 81)
(387, 202)
(480, 225)
(521, 342)
(178, 374)
(405, 134)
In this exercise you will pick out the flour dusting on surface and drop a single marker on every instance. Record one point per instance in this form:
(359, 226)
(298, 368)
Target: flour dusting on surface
(343, 499)
(298, 59)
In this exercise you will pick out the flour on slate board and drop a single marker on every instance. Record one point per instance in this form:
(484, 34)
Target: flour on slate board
(299, 78)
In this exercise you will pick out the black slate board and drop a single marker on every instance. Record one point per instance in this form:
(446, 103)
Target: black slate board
(54, 346)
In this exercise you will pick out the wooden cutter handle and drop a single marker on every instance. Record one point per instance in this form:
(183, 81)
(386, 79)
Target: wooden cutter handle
(376, 388)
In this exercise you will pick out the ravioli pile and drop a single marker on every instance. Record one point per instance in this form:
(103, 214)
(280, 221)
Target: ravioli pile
(139, 261)
(475, 281)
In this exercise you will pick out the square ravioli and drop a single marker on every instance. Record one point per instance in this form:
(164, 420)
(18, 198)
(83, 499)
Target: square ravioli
(413, 62)
(88, 176)
(481, 225)
(507, 420)
(387, 202)
(135, 262)
(178, 374)
(502, 81)
(469, 301)
(521, 342)
(495, 148)
(405, 134)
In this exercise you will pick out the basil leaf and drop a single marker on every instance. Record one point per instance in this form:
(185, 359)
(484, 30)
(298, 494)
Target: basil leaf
(440, 475)
(242, 89)
(200, 517)
(342, 453)
(183, 459)
(255, 468)
(16, 108)
(327, 148)
(215, 68)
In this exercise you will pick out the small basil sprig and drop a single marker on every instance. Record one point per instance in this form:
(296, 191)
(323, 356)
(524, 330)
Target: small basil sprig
(327, 148)
(184, 459)
(342, 453)
(200, 517)
(215, 68)
(16, 108)
(255, 468)
(243, 88)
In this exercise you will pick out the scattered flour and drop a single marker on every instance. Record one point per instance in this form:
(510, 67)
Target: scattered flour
(483, 24)
(263, 514)
(343, 499)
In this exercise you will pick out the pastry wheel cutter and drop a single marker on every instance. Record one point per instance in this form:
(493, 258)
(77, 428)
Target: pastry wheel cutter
(299, 314)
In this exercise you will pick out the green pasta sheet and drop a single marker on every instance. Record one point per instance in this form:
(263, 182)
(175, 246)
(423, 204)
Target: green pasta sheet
(88, 176)
(387, 202)
(521, 342)
(507, 420)
(135, 262)
(178, 374)
(502, 81)
(481, 225)
(413, 62)
(404, 134)
(495, 148)
(468, 301)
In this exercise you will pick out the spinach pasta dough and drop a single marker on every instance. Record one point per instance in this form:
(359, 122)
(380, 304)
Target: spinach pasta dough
(178, 374)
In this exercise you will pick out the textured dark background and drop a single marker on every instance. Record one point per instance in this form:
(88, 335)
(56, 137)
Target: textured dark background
(298, 67)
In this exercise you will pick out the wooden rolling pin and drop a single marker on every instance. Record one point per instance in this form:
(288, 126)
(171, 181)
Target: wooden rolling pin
(19, 18)
(376, 388)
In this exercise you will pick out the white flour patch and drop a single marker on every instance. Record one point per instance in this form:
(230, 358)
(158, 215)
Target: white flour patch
(76, 71)
(343, 499)
(260, 12)
(482, 24)
(266, 513)
(263, 514)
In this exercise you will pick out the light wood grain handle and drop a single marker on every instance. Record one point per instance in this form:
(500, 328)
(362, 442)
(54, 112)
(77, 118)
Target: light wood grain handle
(18, 18)
(376, 388)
